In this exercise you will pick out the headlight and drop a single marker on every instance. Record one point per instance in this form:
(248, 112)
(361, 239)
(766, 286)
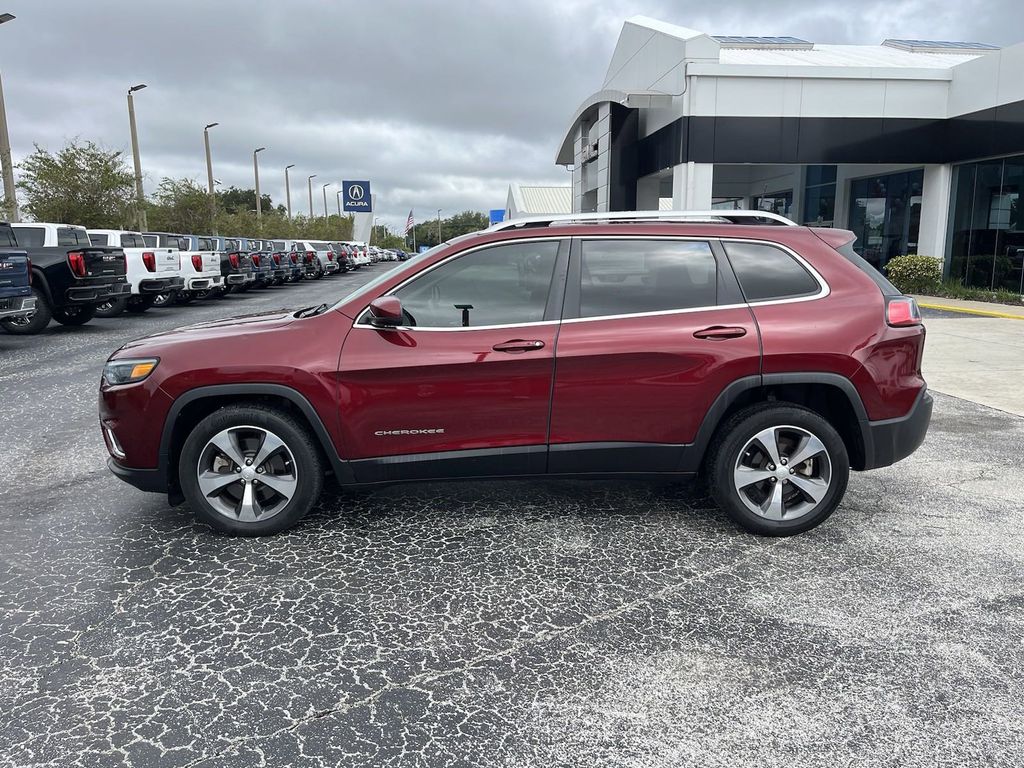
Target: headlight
(128, 371)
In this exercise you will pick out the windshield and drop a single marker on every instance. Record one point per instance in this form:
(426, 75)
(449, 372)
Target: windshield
(385, 276)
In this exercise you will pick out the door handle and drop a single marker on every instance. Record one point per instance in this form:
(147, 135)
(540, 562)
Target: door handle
(518, 345)
(720, 332)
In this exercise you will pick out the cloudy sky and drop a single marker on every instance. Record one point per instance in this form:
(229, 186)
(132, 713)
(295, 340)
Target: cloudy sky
(441, 104)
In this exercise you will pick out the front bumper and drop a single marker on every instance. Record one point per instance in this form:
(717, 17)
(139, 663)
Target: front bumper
(888, 441)
(162, 285)
(17, 306)
(149, 480)
(97, 294)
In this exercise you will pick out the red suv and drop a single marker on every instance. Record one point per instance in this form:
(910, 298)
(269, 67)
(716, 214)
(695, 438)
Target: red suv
(769, 358)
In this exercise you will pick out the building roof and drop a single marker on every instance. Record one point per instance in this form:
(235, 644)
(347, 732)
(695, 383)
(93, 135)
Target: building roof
(526, 200)
(822, 55)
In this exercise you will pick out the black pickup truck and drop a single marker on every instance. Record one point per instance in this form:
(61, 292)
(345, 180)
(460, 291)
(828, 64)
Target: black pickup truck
(70, 276)
(16, 300)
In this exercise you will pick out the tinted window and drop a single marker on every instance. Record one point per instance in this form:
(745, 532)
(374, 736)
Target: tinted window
(279, 245)
(504, 285)
(206, 244)
(69, 236)
(30, 237)
(98, 240)
(767, 272)
(621, 277)
(132, 241)
(173, 241)
(7, 237)
(150, 240)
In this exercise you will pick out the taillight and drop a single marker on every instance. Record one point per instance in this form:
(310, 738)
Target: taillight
(233, 258)
(76, 260)
(310, 255)
(197, 262)
(902, 311)
(330, 255)
(294, 257)
(149, 259)
(277, 259)
(255, 260)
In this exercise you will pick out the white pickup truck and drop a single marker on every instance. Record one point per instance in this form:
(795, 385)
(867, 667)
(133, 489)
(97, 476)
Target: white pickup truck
(151, 271)
(200, 263)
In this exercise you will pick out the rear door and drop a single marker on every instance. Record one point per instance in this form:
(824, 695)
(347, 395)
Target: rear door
(654, 329)
(465, 386)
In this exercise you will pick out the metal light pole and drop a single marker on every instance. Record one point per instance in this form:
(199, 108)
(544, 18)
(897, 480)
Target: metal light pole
(209, 177)
(6, 166)
(140, 198)
(256, 173)
(337, 196)
(309, 181)
(438, 226)
(288, 190)
(325, 199)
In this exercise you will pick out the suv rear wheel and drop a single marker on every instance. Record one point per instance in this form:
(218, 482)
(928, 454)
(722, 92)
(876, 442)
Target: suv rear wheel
(250, 471)
(778, 470)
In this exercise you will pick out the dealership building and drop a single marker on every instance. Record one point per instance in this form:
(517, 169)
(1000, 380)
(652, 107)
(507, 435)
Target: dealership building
(915, 145)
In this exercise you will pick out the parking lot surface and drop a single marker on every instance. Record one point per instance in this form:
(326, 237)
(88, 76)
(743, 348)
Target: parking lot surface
(504, 624)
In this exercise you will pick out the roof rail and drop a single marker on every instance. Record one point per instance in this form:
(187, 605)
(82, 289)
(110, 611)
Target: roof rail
(689, 217)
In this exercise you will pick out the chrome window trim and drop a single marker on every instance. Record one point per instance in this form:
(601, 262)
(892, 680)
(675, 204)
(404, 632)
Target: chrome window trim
(824, 289)
(408, 328)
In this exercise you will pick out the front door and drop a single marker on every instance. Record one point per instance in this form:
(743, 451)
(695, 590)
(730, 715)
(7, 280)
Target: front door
(465, 386)
(653, 331)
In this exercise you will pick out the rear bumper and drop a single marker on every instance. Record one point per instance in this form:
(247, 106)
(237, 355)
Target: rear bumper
(331, 266)
(149, 480)
(96, 294)
(161, 285)
(236, 279)
(203, 283)
(888, 441)
(18, 306)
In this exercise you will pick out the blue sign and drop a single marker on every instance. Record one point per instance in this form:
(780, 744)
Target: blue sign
(357, 196)
(497, 215)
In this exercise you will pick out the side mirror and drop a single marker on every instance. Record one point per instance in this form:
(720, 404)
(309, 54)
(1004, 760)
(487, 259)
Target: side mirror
(386, 312)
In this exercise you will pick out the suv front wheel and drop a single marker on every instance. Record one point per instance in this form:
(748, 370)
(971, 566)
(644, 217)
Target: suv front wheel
(250, 471)
(778, 470)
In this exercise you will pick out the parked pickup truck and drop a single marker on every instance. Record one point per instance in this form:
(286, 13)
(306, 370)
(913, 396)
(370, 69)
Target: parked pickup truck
(151, 271)
(200, 268)
(261, 272)
(70, 276)
(16, 300)
(235, 265)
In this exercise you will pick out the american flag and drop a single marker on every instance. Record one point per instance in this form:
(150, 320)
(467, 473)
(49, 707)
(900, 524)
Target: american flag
(408, 223)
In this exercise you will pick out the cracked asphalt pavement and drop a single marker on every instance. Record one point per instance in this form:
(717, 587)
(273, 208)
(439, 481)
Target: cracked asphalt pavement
(503, 624)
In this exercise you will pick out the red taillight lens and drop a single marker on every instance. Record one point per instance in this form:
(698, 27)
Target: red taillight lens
(277, 259)
(233, 258)
(77, 262)
(149, 259)
(294, 257)
(197, 262)
(310, 255)
(902, 311)
(330, 256)
(255, 260)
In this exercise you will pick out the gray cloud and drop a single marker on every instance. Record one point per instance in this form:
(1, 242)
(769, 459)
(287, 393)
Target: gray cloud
(440, 104)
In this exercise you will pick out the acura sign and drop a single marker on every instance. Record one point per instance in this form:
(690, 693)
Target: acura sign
(357, 196)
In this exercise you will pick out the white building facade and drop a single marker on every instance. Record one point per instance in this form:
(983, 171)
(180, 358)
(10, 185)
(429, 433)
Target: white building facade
(916, 146)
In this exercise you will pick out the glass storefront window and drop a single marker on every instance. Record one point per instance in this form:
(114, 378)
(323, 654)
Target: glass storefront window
(885, 214)
(820, 195)
(775, 202)
(986, 239)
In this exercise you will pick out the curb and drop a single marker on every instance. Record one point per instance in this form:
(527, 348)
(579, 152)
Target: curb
(967, 311)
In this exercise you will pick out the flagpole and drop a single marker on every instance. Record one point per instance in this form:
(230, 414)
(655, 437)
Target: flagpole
(413, 234)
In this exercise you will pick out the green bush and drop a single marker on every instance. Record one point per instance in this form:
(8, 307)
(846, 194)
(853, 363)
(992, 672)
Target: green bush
(914, 273)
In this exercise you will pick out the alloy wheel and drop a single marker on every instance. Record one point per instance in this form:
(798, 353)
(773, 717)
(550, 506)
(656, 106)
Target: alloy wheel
(247, 473)
(782, 473)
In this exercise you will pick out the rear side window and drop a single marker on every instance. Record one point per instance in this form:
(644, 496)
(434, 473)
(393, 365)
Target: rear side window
(69, 236)
(132, 241)
(767, 272)
(31, 237)
(624, 277)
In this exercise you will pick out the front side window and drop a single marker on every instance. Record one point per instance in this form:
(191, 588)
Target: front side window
(624, 277)
(766, 272)
(502, 285)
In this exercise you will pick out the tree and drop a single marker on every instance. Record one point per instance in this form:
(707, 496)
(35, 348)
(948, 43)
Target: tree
(81, 184)
(180, 205)
(458, 224)
(235, 200)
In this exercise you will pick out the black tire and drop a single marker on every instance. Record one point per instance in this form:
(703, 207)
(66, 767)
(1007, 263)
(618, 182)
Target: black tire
(224, 291)
(139, 304)
(164, 299)
(308, 468)
(243, 288)
(111, 308)
(729, 449)
(184, 297)
(203, 295)
(75, 315)
(34, 323)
